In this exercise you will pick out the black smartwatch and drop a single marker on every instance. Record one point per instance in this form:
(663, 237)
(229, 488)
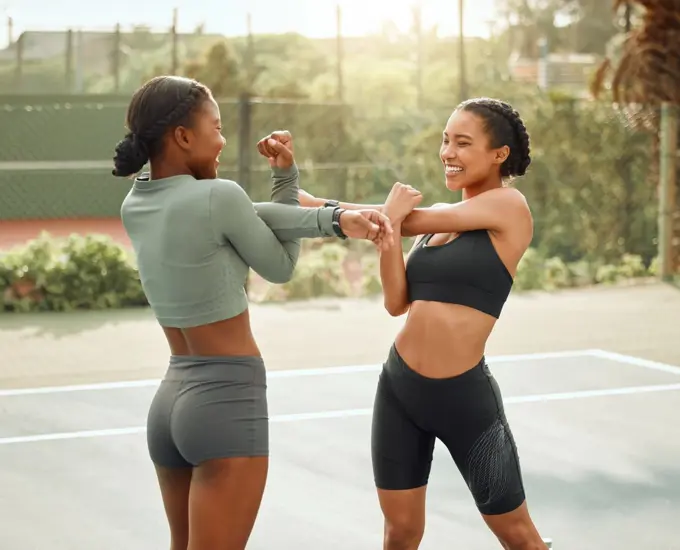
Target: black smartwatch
(331, 204)
(336, 222)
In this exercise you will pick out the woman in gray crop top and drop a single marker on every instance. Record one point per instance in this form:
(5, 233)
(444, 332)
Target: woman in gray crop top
(195, 237)
(435, 383)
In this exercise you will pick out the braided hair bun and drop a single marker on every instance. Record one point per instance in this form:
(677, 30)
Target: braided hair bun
(131, 156)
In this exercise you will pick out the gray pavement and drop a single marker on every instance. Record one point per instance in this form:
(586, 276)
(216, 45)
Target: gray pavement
(595, 431)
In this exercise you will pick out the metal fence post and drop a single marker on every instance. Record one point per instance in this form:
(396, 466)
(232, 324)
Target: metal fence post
(245, 121)
(667, 203)
(244, 140)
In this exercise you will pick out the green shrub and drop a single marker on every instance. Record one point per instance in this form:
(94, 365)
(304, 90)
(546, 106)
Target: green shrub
(607, 274)
(630, 266)
(653, 269)
(93, 272)
(556, 274)
(371, 284)
(581, 273)
(530, 271)
(78, 272)
(320, 272)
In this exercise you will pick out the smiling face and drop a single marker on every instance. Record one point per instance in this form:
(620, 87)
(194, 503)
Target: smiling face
(467, 153)
(202, 142)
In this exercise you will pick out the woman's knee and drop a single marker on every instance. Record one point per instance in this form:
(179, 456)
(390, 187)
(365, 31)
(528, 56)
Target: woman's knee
(404, 513)
(521, 537)
(404, 533)
(526, 545)
(516, 529)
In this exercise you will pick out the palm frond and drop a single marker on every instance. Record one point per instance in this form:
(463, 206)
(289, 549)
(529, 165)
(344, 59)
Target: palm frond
(647, 71)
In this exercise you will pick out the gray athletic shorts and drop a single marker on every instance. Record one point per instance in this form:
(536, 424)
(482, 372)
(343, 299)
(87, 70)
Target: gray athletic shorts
(209, 407)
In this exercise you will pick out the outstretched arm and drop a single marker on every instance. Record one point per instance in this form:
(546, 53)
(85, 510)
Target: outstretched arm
(283, 215)
(313, 202)
(490, 210)
(234, 220)
(497, 210)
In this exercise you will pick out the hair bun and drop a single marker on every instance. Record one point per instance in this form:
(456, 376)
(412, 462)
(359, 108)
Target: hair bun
(131, 156)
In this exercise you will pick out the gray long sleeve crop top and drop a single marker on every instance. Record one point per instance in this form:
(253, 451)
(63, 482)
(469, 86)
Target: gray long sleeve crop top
(194, 241)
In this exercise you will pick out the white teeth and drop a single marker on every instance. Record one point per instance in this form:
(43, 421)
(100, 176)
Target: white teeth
(450, 168)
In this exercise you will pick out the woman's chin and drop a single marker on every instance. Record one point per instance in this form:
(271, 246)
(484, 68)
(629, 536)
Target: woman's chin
(454, 184)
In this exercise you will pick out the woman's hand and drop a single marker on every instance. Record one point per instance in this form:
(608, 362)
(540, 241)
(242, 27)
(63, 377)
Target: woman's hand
(368, 224)
(277, 147)
(401, 201)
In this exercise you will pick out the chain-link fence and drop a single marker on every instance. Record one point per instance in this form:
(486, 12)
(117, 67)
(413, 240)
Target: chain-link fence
(56, 160)
(592, 184)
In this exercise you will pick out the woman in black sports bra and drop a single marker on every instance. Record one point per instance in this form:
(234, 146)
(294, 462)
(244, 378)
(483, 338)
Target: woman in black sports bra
(435, 383)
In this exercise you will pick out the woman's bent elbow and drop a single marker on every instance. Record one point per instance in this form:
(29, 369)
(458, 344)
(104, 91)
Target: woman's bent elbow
(395, 309)
(280, 276)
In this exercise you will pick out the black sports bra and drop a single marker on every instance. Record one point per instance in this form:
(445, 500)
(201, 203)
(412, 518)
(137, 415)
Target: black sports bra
(466, 271)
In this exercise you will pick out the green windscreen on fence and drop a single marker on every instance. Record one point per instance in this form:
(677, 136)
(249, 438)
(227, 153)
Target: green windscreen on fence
(56, 151)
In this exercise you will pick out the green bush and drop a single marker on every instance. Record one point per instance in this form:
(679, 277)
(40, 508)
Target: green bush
(530, 271)
(654, 267)
(78, 272)
(371, 284)
(320, 272)
(93, 272)
(630, 266)
(556, 274)
(581, 273)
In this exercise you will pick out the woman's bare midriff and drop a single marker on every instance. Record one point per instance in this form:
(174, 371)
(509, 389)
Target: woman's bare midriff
(231, 337)
(442, 340)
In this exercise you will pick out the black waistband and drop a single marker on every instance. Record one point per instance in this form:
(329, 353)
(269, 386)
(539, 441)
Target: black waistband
(396, 366)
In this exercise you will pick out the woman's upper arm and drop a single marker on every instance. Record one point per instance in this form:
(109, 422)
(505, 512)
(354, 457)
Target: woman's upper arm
(233, 218)
(497, 210)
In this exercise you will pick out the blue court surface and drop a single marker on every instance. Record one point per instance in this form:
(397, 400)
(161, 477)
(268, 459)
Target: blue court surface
(597, 435)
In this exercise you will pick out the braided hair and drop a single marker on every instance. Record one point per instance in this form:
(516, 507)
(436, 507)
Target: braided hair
(164, 102)
(504, 126)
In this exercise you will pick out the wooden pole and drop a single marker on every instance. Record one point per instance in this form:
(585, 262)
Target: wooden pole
(174, 60)
(667, 202)
(461, 51)
(339, 64)
(250, 55)
(115, 54)
(420, 58)
(19, 68)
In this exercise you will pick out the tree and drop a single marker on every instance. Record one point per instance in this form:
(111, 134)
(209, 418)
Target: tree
(532, 20)
(646, 68)
(219, 70)
(583, 26)
(643, 71)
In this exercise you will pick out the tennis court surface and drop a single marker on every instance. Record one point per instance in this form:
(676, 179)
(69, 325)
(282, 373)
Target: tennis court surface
(597, 436)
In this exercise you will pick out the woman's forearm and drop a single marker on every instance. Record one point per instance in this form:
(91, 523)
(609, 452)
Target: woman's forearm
(409, 226)
(289, 222)
(317, 203)
(285, 185)
(393, 277)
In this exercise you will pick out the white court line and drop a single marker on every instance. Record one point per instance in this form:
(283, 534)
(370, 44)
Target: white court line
(298, 417)
(291, 373)
(637, 361)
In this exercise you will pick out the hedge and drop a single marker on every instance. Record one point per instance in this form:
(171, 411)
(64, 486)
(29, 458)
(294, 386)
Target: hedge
(94, 272)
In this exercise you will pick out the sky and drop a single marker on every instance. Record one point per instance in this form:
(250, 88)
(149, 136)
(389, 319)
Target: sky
(314, 18)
